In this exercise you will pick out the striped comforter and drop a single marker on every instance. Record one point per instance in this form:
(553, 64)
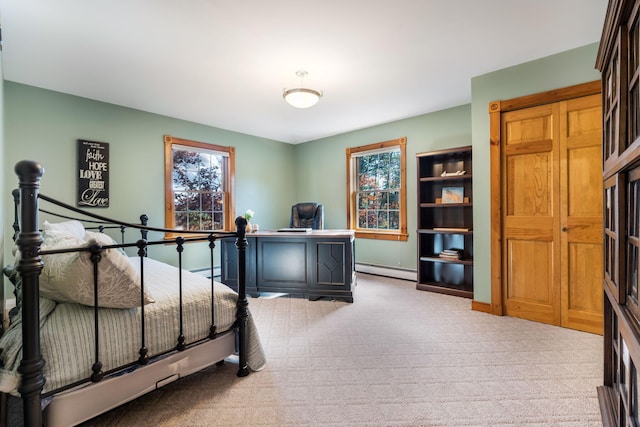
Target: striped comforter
(67, 329)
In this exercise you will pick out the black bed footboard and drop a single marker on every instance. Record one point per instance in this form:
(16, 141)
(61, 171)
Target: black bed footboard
(29, 242)
(30, 265)
(243, 304)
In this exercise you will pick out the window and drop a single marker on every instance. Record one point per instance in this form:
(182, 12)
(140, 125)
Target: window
(199, 181)
(377, 197)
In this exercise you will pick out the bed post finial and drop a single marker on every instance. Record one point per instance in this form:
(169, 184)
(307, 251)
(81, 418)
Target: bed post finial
(243, 305)
(30, 265)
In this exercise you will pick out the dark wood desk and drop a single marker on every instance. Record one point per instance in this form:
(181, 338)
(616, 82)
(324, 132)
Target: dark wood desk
(316, 264)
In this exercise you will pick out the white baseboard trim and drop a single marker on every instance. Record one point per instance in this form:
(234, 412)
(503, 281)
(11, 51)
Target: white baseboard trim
(206, 271)
(380, 270)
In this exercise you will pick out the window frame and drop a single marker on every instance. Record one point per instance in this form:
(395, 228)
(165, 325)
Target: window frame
(228, 182)
(352, 185)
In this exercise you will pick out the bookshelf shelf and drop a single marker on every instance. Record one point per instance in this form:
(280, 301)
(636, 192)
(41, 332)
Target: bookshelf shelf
(444, 205)
(436, 258)
(445, 178)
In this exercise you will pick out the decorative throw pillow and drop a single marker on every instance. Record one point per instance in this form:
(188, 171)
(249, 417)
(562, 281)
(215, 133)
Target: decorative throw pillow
(72, 227)
(89, 234)
(68, 277)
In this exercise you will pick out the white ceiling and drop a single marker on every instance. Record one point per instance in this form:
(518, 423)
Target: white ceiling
(225, 63)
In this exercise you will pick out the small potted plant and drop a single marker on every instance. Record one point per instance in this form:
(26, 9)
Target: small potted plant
(248, 215)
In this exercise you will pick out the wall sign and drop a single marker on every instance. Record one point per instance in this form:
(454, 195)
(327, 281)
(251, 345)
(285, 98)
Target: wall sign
(93, 174)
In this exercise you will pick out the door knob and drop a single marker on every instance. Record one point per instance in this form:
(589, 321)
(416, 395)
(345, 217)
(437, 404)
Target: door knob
(565, 229)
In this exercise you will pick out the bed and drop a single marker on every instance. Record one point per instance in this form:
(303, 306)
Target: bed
(99, 322)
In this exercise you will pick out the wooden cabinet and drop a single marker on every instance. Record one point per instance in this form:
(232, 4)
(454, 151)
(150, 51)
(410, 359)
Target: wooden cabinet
(619, 61)
(445, 222)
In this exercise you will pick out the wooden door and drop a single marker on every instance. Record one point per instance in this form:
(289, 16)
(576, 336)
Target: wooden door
(552, 213)
(530, 158)
(581, 216)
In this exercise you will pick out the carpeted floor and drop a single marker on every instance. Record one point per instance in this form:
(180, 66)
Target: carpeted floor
(395, 357)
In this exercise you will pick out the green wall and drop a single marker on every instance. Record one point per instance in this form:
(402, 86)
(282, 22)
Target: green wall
(552, 72)
(44, 126)
(324, 177)
(323, 161)
(270, 176)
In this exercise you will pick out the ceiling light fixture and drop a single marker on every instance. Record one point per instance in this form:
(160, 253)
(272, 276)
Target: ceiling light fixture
(301, 97)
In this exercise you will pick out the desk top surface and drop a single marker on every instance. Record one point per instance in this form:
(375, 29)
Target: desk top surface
(303, 234)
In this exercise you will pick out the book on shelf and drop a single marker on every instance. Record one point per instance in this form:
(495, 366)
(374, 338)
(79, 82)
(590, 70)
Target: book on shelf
(459, 229)
(452, 253)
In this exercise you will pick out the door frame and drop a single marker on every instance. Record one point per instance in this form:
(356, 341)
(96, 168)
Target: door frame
(496, 108)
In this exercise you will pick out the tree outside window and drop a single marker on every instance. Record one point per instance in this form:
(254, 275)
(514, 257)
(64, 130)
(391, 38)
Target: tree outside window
(377, 190)
(198, 185)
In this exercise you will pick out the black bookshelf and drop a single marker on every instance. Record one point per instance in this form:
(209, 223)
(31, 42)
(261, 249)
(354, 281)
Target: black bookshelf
(445, 222)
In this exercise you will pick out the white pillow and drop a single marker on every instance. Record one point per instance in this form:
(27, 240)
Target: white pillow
(68, 277)
(72, 227)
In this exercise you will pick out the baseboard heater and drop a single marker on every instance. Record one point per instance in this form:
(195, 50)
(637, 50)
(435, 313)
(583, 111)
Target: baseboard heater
(381, 270)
